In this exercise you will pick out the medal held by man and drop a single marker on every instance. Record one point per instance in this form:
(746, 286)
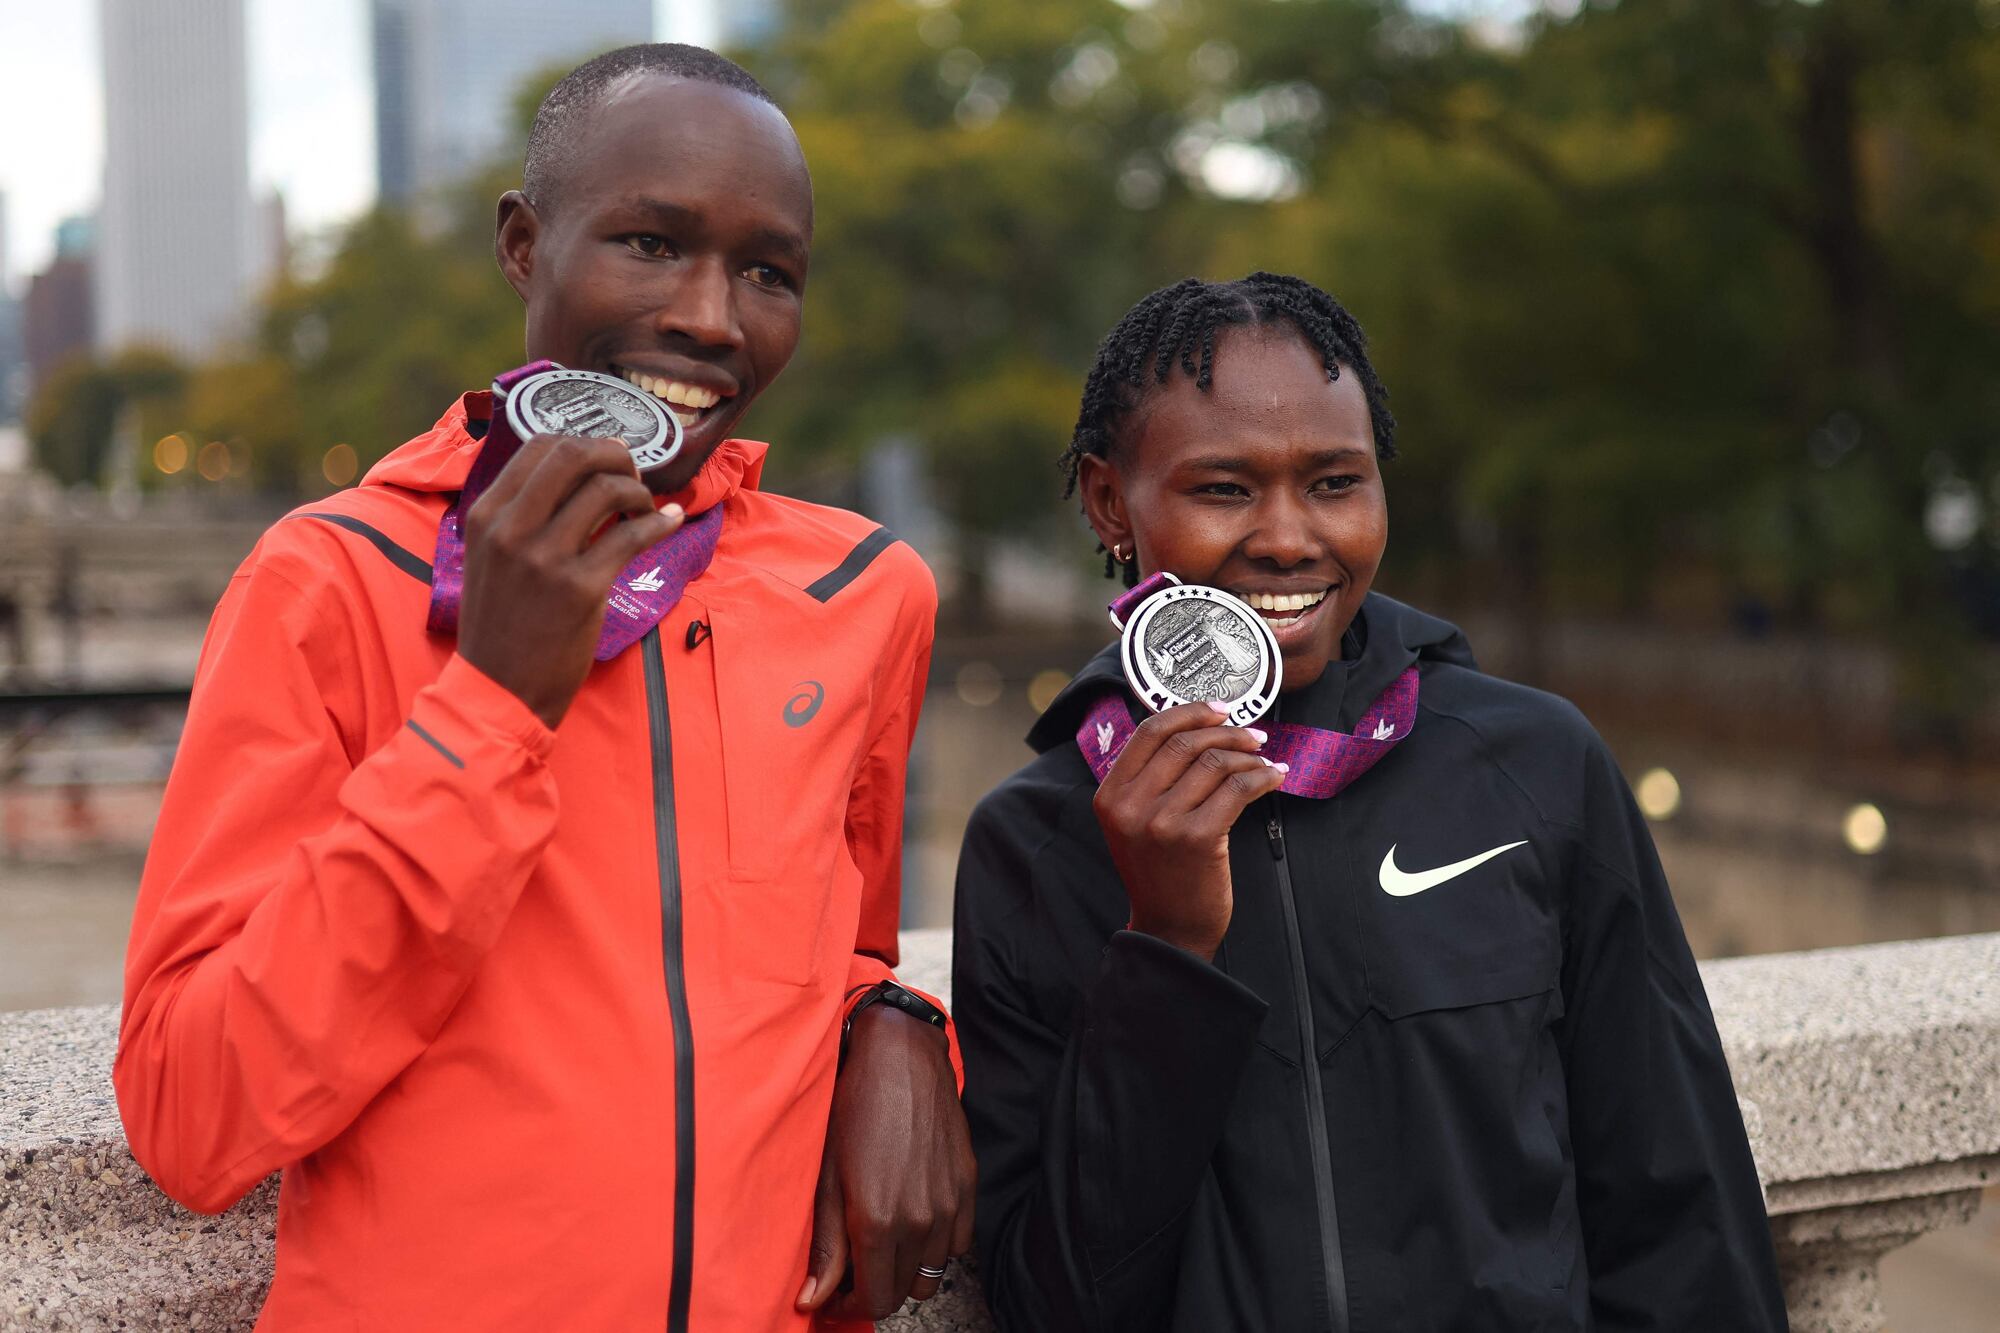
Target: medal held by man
(546, 399)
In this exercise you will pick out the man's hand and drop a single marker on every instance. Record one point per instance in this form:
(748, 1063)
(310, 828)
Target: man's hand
(896, 1183)
(541, 550)
(1166, 808)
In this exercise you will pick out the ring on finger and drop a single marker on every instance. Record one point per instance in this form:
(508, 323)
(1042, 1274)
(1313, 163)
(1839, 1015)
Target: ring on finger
(932, 1273)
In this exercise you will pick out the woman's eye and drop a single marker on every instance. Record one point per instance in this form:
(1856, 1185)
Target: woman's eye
(650, 245)
(1228, 488)
(1336, 484)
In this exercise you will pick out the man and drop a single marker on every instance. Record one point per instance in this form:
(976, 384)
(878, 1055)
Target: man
(531, 973)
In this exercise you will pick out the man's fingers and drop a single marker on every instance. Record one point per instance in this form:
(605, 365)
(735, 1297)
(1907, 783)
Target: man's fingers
(621, 541)
(961, 1226)
(876, 1294)
(933, 1254)
(598, 499)
(556, 466)
(827, 1258)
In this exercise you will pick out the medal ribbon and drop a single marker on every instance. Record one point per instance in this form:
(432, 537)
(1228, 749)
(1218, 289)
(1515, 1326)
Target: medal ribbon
(645, 590)
(1322, 762)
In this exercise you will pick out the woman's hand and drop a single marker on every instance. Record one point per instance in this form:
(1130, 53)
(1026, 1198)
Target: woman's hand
(1167, 807)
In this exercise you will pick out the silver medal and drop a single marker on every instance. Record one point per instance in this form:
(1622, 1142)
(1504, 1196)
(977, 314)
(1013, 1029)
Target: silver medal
(1188, 643)
(587, 404)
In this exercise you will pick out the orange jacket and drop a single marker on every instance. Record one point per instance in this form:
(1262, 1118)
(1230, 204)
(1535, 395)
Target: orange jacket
(540, 1026)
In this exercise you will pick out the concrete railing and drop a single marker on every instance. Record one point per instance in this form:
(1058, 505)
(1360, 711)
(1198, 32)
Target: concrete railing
(1870, 1080)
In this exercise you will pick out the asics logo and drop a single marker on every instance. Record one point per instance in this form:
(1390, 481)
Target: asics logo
(803, 706)
(1399, 883)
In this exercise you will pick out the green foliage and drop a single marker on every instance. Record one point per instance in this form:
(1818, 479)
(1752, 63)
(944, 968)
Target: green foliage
(1664, 292)
(75, 419)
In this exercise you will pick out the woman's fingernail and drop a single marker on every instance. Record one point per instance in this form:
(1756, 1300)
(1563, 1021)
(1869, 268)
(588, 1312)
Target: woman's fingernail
(1258, 735)
(672, 511)
(1219, 706)
(1282, 768)
(806, 1293)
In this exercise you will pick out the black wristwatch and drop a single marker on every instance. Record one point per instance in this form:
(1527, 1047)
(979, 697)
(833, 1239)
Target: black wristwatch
(889, 993)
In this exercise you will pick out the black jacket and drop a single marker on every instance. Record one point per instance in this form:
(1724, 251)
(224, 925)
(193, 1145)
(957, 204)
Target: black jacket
(1497, 1103)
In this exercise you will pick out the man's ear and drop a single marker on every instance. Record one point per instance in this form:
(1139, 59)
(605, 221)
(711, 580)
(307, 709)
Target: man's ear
(516, 229)
(1104, 504)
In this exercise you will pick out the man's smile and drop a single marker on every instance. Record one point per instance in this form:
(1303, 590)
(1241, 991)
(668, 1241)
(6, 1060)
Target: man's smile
(689, 402)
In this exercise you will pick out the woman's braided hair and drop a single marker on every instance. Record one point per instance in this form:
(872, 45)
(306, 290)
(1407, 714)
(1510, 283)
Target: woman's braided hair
(1178, 324)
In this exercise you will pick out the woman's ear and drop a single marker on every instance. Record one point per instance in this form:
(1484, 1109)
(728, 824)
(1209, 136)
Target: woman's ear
(516, 228)
(1104, 505)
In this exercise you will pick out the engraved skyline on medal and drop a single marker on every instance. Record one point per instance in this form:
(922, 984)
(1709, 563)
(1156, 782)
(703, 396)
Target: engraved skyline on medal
(1189, 643)
(586, 404)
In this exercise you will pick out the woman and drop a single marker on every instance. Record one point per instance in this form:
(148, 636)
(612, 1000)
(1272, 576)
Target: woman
(1424, 1048)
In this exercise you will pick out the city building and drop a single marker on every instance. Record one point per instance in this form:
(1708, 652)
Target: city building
(447, 73)
(178, 256)
(13, 368)
(741, 22)
(58, 317)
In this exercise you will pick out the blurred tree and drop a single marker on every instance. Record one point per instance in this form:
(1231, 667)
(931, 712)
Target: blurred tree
(1688, 303)
(75, 418)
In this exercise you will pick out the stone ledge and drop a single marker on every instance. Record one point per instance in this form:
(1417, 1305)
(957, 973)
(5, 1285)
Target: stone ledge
(1870, 1081)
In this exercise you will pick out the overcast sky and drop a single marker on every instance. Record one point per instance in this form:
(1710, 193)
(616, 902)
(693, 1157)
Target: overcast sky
(312, 112)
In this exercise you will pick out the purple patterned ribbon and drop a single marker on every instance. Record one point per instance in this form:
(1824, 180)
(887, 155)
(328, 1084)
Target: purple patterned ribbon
(1322, 762)
(645, 590)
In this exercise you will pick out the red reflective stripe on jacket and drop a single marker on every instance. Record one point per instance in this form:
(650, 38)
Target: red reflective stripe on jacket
(401, 941)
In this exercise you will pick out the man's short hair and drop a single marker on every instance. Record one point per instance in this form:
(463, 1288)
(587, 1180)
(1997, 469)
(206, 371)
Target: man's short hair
(570, 104)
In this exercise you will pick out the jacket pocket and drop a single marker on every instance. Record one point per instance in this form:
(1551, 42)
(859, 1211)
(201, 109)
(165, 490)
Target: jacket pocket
(792, 730)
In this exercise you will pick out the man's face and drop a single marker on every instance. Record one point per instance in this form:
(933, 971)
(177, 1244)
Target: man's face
(673, 255)
(1267, 485)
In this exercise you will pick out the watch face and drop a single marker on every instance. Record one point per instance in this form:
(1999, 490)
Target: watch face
(587, 404)
(1193, 644)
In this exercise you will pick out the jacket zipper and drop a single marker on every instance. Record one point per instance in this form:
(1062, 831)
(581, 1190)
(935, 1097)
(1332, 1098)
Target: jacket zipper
(667, 849)
(1322, 1155)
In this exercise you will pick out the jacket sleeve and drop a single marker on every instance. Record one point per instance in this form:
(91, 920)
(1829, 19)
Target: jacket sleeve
(1673, 1215)
(309, 915)
(1092, 1141)
(875, 816)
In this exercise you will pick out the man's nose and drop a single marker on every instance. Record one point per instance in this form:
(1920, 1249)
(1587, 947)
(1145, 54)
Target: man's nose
(701, 306)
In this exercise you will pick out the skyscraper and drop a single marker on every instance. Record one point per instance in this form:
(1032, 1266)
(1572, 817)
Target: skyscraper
(447, 73)
(177, 258)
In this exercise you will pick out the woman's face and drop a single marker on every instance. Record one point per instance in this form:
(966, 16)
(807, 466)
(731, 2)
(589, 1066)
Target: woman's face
(1267, 486)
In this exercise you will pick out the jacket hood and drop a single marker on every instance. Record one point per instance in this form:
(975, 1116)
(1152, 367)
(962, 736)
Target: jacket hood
(1386, 639)
(440, 459)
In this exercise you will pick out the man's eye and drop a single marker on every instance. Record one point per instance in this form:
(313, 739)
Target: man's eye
(768, 275)
(650, 245)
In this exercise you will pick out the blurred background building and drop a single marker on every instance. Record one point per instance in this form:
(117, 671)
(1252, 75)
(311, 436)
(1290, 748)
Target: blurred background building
(447, 73)
(59, 316)
(179, 248)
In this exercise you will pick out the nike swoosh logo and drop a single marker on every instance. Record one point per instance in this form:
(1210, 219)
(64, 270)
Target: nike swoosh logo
(1402, 883)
